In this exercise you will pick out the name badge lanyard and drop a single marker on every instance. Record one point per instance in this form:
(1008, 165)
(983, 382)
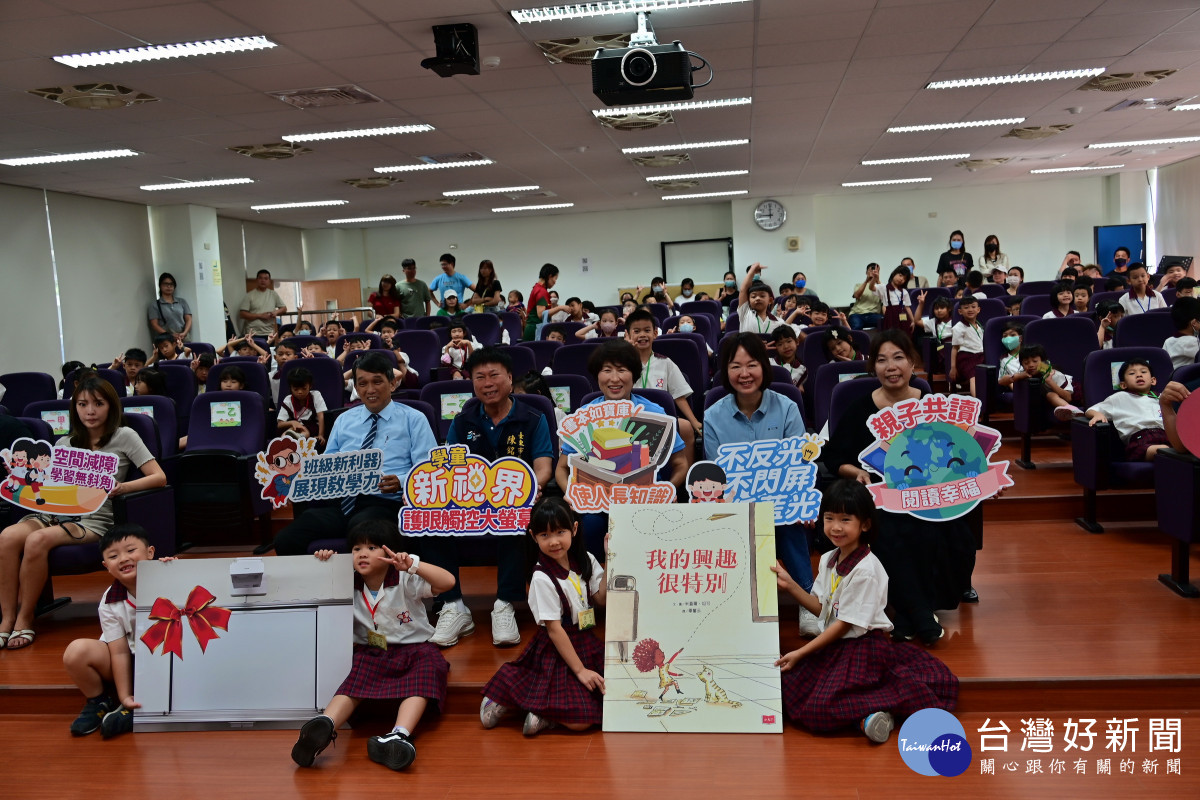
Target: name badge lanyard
(586, 616)
(373, 608)
(646, 375)
(837, 580)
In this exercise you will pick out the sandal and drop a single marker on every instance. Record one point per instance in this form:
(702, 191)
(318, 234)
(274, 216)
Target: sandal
(4, 637)
(25, 634)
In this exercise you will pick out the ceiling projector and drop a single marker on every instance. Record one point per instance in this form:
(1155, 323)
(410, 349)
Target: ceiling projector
(644, 72)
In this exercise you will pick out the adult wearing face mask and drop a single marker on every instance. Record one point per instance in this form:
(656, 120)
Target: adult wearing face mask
(993, 258)
(729, 290)
(800, 281)
(956, 259)
(1120, 261)
(915, 281)
(1016, 276)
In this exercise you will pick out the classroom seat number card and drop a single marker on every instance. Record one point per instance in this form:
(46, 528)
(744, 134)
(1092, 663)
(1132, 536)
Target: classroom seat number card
(587, 619)
(377, 639)
(226, 414)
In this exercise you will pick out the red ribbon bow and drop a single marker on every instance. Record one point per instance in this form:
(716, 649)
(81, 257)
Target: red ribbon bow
(202, 615)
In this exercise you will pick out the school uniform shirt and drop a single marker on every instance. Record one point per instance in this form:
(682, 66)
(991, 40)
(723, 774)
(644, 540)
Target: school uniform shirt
(1182, 350)
(890, 296)
(1130, 413)
(1139, 305)
(967, 338)
(116, 611)
(400, 615)
(862, 586)
(1055, 313)
(942, 331)
(979, 295)
(750, 322)
(662, 373)
(1010, 365)
(544, 602)
(287, 409)
(797, 372)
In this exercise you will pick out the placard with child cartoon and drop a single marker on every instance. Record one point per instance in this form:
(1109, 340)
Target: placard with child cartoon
(615, 449)
(290, 469)
(457, 493)
(52, 479)
(779, 471)
(934, 457)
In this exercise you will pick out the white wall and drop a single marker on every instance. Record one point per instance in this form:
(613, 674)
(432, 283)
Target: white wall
(28, 310)
(1178, 233)
(331, 253)
(185, 244)
(622, 247)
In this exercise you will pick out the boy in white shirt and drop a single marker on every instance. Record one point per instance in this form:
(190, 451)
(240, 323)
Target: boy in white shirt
(967, 339)
(96, 663)
(787, 357)
(754, 303)
(303, 410)
(1141, 297)
(659, 372)
(1183, 346)
(1135, 412)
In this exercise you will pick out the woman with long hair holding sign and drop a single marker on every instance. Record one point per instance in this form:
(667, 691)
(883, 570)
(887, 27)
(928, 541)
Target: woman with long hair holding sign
(928, 562)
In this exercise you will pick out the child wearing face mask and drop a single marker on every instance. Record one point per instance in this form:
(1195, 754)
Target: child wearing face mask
(1010, 364)
(687, 324)
(687, 290)
(604, 328)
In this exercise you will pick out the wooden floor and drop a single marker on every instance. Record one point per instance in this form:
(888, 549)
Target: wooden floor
(1070, 624)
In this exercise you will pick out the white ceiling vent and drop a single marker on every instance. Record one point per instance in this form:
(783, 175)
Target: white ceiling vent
(1125, 81)
(1149, 104)
(580, 49)
(273, 151)
(450, 158)
(439, 202)
(675, 186)
(95, 96)
(378, 182)
(325, 97)
(976, 164)
(1036, 131)
(637, 122)
(661, 160)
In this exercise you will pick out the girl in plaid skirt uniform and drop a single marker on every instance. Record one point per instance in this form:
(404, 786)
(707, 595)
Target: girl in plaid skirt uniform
(852, 674)
(393, 658)
(555, 681)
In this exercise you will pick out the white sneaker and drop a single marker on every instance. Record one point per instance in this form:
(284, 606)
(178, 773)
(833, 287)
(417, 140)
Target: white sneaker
(535, 724)
(451, 625)
(491, 712)
(809, 624)
(878, 726)
(504, 625)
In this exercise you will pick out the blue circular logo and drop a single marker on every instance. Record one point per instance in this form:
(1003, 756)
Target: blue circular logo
(933, 742)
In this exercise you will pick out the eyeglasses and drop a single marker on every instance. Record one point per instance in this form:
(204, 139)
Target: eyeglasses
(167, 285)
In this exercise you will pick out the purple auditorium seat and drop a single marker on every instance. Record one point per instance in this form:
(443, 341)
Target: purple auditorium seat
(22, 388)
(710, 307)
(931, 294)
(162, 411)
(991, 398)
(257, 379)
(786, 389)
(181, 388)
(217, 493)
(567, 329)
(846, 392)
(423, 350)
(573, 360)
(658, 396)
(202, 347)
(660, 311)
(989, 308)
(486, 328)
(994, 290)
(733, 323)
(114, 378)
(1143, 330)
(1035, 305)
(543, 352)
(153, 509)
(522, 359)
(511, 322)
(39, 428)
(709, 327)
(51, 410)
(443, 396)
(1097, 454)
(327, 379)
(1068, 341)
(1177, 496)
(688, 352)
(577, 385)
(1041, 288)
(780, 374)
(813, 353)
(1100, 297)
(821, 386)
(431, 414)
(427, 323)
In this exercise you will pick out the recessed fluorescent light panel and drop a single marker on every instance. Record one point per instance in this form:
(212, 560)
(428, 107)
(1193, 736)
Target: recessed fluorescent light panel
(544, 207)
(499, 190)
(696, 175)
(310, 204)
(1026, 77)
(683, 105)
(158, 187)
(915, 159)
(675, 148)
(482, 162)
(356, 134)
(1187, 107)
(1073, 169)
(888, 183)
(703, 194)
(1145, 142)
(63, 157)
(366, 219)
(161, 51)
(946, 126)
(582, 10)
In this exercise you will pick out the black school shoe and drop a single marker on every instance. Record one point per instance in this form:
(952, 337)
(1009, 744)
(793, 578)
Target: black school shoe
(92, 715)
(970, 596)
(394, 751)
(315, 736)
(117, 722)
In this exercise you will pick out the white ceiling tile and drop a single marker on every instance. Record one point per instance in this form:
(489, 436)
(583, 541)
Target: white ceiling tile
(1139, 25)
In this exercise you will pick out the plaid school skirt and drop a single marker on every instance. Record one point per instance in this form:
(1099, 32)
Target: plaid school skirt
(840, 685)
(403, 670)
(541, 682)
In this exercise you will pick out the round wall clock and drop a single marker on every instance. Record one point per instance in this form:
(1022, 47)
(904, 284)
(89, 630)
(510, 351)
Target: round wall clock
(770, 215)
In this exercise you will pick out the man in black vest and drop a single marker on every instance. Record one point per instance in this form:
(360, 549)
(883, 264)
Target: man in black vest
(494, 424)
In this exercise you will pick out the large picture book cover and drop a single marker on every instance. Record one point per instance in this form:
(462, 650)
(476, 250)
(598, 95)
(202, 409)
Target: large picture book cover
(692, 622)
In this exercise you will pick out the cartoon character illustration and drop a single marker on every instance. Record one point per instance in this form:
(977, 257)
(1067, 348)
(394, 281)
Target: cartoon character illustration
(649, 655)
(17, 462)
(933, 454)
(812, 449)
(712, 692)
(280, 465)
(39, 462)
(706, 483)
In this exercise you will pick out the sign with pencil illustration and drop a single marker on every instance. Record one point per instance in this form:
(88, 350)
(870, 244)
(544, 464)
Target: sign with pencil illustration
(50, 479)
(692, 620)
(290, 469)
(618, 449)
(934, 457)
(456, 493)
(782, 472)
